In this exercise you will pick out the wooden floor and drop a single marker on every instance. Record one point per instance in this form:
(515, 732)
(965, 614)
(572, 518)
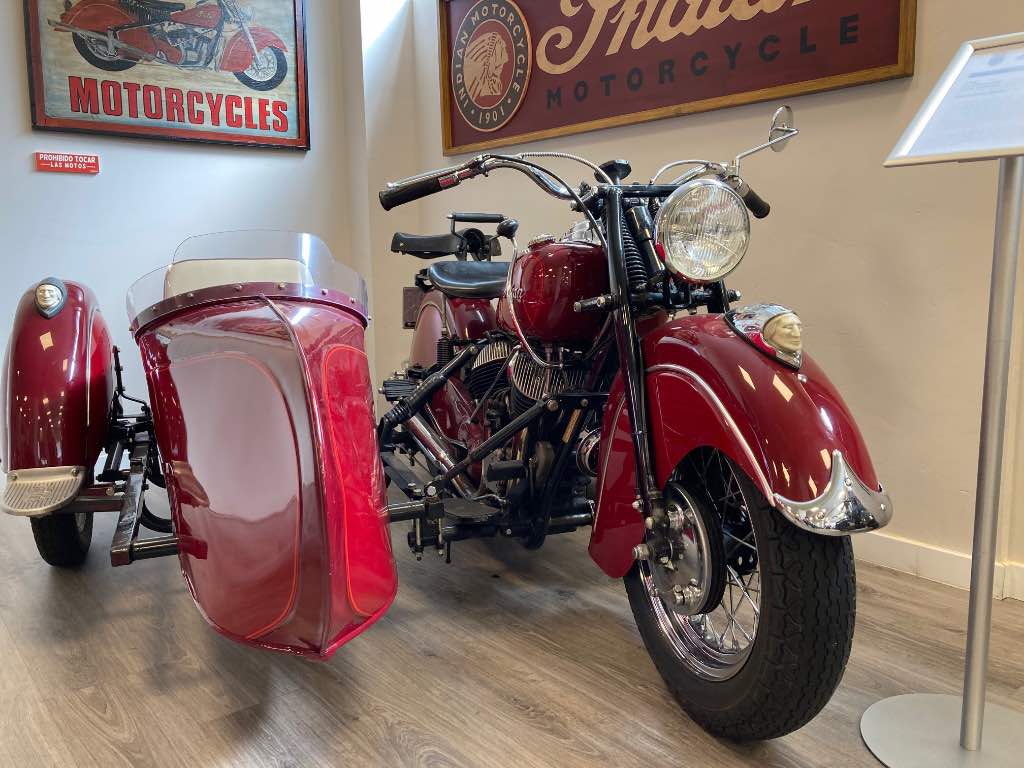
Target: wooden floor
(505, 658)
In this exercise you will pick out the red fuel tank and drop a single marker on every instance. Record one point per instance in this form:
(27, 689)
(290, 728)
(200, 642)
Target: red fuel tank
(546, 281)
(207, 15)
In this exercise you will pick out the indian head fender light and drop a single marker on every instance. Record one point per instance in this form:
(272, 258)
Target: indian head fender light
(773, 329)
(51, 294)
(704, 228)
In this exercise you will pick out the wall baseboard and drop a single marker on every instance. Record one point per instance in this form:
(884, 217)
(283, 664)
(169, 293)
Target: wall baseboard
(934, 563)
(1013, 584)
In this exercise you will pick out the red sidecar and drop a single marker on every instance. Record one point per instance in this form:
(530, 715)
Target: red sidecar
(262, 411)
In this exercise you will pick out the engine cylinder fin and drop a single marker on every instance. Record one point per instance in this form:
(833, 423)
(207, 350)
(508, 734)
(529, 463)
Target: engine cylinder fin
(488, 367)
(531, 382)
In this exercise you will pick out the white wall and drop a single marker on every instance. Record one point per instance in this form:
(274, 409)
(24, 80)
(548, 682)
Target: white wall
(394, 149)
(108, 230)
(889, 269)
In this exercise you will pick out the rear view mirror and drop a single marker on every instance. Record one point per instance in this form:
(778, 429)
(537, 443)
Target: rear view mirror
(783, 128)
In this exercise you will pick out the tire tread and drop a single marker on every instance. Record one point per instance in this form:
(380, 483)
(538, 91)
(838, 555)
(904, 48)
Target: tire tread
(804, 636)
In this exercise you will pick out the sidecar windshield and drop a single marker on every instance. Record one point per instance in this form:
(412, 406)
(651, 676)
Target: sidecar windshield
(248, 263)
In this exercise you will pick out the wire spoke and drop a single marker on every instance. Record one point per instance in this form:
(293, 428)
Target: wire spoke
(738, 540)
(733, 576)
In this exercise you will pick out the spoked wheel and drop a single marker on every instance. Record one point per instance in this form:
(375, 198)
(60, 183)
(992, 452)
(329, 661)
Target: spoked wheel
(748, 619)
(99, 55)
(268, 70)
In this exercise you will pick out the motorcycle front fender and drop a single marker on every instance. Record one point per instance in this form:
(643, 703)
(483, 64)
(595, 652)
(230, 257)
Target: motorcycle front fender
(788, 430)
(96, 15)
(238, 54)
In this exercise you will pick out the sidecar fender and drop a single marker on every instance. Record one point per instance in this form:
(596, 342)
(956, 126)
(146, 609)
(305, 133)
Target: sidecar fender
(238, 55)
(96, 15)
(788, 430)
(57, 390)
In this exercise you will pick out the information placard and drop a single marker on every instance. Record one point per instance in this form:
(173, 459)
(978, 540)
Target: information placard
(976, 111)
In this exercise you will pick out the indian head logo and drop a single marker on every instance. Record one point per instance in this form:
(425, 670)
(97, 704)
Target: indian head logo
(491, 64)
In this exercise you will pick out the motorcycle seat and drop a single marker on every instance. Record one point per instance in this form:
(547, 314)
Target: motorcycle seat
(426, 246)
(159, 5)
(470, 279)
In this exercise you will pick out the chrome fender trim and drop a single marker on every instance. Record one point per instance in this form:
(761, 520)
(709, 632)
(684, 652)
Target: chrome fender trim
(846, 505)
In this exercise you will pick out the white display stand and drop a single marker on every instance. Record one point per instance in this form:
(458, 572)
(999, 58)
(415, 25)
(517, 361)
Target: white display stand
(976, 112)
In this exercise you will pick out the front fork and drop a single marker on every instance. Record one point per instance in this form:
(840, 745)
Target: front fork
(649, 501)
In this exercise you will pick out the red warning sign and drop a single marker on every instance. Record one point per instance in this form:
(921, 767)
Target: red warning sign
(52, 162)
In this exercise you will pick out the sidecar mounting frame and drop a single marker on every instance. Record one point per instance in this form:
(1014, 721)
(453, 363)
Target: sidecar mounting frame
(123, 491)
(126, 547)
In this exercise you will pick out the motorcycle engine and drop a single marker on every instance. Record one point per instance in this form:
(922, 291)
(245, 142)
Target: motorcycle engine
(195, 47)
(528, 382)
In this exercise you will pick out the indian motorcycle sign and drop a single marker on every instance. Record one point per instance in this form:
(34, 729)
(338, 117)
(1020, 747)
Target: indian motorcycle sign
(224, 71)
(515, 71)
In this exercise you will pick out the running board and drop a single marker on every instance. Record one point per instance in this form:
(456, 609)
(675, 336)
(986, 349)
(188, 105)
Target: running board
(41, 492)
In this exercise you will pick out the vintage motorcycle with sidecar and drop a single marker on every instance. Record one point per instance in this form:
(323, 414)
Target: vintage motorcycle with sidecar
(600, 379)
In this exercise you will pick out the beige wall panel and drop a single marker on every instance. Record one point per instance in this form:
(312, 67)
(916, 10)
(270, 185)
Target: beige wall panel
(889, 268)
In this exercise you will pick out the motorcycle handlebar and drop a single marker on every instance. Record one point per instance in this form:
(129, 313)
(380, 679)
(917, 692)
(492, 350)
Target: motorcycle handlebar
(758, 206)
(406, 191)
(417, 187)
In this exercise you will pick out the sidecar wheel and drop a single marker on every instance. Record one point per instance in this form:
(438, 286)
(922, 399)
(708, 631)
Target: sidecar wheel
(63, 540)
(93, 53)
(792, 609)
(267, 71)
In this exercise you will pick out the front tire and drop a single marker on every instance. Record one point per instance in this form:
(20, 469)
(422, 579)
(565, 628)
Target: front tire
(771, 676)
(267, 71)
(63, 540)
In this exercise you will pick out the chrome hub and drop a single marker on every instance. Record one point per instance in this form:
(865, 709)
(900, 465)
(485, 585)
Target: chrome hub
(684, 568)
(708, 605)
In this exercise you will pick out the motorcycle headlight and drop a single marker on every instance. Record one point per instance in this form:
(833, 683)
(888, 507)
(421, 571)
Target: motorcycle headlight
(704, 229)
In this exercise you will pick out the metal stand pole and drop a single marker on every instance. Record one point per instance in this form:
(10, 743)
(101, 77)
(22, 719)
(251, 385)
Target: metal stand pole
(918, 730)
(990, 454)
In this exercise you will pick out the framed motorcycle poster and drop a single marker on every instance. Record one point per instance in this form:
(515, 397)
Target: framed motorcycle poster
(215, 71)
(521, 70)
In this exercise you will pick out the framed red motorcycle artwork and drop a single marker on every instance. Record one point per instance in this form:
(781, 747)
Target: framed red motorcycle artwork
(215, 71)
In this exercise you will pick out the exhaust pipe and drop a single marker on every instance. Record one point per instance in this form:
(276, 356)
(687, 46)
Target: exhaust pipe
(437, 449)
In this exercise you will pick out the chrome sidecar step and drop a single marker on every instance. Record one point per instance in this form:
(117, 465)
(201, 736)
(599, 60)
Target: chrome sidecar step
(40, 492)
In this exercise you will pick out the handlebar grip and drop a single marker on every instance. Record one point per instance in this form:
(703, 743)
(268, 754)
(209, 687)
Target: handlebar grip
(407, 193)
(477, 218)
(758, 206)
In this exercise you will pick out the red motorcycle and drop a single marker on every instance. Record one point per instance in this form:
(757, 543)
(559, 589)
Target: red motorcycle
(598, 379)
(115, 35)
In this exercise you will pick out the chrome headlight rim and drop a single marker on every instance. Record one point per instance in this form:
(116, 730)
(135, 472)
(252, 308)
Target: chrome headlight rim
(750, 324)
(668, 208)
(50, 295)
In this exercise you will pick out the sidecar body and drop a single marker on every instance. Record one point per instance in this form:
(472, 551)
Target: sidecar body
(262, 404)
(260, 425)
